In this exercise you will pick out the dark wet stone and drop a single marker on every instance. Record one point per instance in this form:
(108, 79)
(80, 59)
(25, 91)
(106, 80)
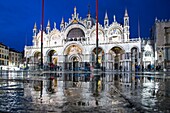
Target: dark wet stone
(113, 96)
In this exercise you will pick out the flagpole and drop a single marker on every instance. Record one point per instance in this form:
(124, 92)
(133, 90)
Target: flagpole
(42, 23)
(97, 62)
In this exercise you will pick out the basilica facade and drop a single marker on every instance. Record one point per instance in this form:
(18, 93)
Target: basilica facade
(76, 42)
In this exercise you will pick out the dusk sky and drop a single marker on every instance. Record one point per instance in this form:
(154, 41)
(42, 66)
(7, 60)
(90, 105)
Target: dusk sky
(17, 17)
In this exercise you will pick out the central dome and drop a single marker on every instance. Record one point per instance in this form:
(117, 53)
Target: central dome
(93, 21)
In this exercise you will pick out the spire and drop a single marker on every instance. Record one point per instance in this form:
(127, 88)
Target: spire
(126, 18)
(138, 27)
(126, 26)
(106, 16)
(41, 27)
(88, 15)
(54, 25)
(75, 9)
(48, 27)
(62, 21)
(156, 19)
(62, 24)
(114, 17)
(126, 13)
(48, 24)
(106, 20)
(35, 26)
(35, 29)
(75, 15)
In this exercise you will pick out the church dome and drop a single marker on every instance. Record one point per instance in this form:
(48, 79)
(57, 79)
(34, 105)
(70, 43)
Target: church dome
(92, 20)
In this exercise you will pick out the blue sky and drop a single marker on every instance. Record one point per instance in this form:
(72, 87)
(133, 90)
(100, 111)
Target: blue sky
(17, 17)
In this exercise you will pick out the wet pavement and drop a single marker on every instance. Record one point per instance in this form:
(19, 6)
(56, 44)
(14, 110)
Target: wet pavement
(70, 92)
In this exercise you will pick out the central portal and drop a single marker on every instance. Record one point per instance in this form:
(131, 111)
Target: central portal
(75, 61)
(73, 56)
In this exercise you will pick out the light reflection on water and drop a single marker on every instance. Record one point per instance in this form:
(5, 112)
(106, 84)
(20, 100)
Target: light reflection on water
(77, 92)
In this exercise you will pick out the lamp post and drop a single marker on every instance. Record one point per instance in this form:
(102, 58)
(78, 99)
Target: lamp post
(42, 23)
(97, 66)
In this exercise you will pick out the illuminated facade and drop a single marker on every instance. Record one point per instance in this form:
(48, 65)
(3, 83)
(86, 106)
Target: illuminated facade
(10, 59)
(147, 53)
(15, 58)
(76, 42)
(160, 33)
(4, 55)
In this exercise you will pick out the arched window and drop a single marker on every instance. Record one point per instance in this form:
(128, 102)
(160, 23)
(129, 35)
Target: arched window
(93, 57)
(75, 32)
(160, 57)
(147, 53)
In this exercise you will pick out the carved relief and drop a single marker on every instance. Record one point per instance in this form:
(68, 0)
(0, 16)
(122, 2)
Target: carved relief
(74, 50)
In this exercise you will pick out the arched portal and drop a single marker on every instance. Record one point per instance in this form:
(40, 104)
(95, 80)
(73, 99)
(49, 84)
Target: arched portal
(75, 61)
(37, 57)
(52, 57)
(73, 56)
(101, 56)
(73, 52)
(135, 58)
(116, 56)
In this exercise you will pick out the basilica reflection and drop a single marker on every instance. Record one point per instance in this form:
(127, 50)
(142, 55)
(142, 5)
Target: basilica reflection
(150, 91)
(85, 90)
(103, 82)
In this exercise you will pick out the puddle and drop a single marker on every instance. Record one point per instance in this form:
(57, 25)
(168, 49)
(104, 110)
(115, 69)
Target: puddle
(77, 92)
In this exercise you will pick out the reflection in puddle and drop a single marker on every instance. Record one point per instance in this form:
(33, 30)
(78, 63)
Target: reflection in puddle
(77, 92)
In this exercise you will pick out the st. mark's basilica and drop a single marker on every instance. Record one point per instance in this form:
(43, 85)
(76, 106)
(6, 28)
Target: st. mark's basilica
(75, 42)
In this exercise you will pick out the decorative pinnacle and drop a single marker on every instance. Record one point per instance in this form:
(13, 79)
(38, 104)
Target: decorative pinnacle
(106, 16)
(126, 13)
(114, 17)
(35, 26)
(75, 10)
(62, 21)
(48, 25)
(54, 25)
(89, 11)
(156, 19)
